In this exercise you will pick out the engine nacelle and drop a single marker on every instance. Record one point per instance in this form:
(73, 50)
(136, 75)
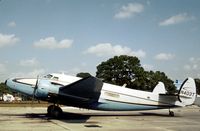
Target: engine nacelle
(45, 87)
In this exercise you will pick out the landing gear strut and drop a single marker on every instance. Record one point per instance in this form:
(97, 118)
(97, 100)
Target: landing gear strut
(54, 111)
(171, 113)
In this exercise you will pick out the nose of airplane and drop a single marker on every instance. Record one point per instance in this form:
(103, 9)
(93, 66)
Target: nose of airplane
(8, 82)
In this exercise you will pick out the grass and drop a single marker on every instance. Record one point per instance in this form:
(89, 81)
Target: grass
(24, 104)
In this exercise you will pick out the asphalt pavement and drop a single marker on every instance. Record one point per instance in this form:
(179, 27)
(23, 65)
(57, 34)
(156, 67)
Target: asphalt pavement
(35, 119)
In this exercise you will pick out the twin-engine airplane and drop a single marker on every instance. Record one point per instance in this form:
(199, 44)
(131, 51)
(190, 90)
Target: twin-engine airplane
(92, 93)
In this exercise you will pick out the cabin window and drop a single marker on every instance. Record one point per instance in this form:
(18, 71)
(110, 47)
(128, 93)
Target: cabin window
(55, 78)
(111, 94)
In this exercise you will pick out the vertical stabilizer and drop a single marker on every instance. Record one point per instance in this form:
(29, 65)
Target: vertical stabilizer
(160, 88)
(187, 92)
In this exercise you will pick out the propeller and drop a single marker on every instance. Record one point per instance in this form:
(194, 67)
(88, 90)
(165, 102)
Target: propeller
(35, 88)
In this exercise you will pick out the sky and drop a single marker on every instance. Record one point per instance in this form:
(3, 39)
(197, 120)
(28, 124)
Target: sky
(72, 36)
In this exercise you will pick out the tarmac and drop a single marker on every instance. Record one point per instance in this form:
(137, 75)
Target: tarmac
(74, 119)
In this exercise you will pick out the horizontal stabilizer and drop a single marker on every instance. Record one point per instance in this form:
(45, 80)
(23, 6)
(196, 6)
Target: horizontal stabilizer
(197, 100)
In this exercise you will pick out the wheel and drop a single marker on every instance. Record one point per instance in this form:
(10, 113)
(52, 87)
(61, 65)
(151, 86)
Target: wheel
(57, 112)
(171, 113)
(54, 111)
(49, 110)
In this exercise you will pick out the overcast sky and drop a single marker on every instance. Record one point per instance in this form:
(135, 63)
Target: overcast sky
(72, 36)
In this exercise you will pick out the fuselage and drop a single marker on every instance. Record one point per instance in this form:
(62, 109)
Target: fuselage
(112, 97)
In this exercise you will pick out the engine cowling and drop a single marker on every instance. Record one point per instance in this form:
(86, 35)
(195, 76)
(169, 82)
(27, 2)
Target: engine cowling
(45, 87)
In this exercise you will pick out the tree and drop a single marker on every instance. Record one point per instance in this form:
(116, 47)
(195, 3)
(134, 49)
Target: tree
(127, 70)
(154, 77)
(83, 74)
(119, 70)
(4, 89)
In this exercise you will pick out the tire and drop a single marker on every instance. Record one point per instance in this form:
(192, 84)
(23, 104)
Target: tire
(54, 111)
(49, 110)
(171, 113)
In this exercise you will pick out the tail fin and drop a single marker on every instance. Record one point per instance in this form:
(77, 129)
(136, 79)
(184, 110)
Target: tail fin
(187, 92)
(160, 88)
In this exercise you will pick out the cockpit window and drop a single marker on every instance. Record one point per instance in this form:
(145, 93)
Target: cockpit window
(49, 76)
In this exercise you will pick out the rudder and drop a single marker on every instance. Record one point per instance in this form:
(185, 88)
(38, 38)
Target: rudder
(187, 92)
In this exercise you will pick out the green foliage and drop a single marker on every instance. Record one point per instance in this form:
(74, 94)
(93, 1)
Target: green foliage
(119, 70)
(83, 74)
(127, 70)
(4, 89)
(155, 77)
(197, 81)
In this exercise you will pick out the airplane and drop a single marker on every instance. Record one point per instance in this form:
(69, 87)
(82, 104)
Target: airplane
(92, 93)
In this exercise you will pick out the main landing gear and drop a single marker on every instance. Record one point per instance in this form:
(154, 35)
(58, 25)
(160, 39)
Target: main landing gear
(54, 111)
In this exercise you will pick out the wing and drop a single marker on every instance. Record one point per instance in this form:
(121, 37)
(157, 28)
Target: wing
(82, 93)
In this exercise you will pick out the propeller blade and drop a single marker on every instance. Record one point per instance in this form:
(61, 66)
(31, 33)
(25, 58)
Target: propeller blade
(35, 88)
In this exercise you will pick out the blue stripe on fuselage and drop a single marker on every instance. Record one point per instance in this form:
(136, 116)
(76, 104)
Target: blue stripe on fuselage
(108, 105)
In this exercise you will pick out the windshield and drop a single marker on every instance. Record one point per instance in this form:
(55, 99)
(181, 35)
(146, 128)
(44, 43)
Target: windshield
(49, 76)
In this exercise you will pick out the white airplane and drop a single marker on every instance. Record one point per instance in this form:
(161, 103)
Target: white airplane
(92, 93)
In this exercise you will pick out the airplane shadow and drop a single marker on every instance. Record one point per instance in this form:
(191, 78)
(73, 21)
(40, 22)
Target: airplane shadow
(82, 118)
(66, 117)
(156, 114)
